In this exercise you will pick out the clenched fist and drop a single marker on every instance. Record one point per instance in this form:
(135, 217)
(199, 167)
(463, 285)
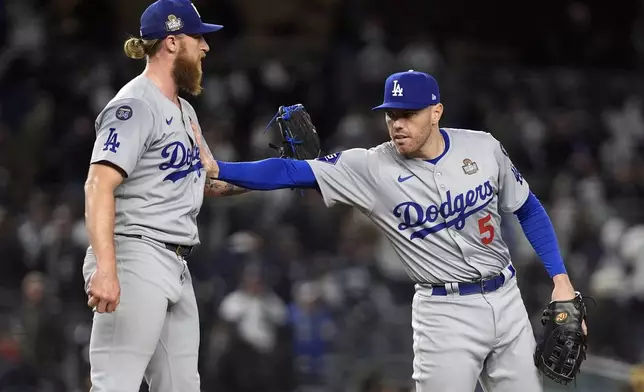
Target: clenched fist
(104, 291)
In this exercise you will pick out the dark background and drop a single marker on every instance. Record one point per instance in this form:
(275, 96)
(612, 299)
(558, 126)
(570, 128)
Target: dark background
(558, 82)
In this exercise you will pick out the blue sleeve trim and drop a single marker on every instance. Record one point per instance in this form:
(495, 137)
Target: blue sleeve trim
(539, 231)
(268, 174)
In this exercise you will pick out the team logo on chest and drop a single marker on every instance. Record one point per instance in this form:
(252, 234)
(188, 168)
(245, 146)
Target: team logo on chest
(453, 211)
(184, 159)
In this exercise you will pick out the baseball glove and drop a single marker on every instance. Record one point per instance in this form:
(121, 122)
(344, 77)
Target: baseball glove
(300, 139)
(562, 346)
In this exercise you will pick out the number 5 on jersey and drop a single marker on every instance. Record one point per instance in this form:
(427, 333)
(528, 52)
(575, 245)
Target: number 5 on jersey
(486, 229)
(112, 142)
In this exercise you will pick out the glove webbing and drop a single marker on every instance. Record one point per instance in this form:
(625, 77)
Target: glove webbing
(568, 351)
(288, 139)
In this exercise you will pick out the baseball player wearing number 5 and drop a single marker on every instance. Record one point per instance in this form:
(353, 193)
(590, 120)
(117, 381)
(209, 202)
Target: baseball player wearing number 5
(144, 189)
(437, 194)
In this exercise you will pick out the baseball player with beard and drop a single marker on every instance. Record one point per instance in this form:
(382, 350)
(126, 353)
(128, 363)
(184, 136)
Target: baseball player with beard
(144, 189)
(438, 195)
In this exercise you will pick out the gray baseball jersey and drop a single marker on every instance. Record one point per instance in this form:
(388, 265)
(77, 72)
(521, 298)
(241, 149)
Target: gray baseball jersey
(150, 139)
(442, 218)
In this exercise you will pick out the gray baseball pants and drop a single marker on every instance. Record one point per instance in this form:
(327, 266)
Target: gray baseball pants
(459, 340)
(154, 332)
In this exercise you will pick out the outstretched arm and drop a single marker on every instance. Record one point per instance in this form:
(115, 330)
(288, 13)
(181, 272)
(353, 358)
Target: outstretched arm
(343, 177)
(216, 188)
(226, 178)
(267, 174)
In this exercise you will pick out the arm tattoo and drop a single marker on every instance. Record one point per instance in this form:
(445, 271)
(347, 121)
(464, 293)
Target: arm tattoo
(216, 188)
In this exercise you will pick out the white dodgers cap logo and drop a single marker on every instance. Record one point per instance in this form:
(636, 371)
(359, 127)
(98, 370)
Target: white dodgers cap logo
(397, 91)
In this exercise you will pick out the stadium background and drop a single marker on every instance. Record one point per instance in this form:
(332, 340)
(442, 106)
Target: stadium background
(559, 83)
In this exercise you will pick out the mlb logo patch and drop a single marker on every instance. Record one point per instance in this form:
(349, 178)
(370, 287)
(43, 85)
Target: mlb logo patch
(331, 159)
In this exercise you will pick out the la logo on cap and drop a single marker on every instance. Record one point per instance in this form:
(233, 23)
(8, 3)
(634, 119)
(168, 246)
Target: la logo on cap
(397, 91)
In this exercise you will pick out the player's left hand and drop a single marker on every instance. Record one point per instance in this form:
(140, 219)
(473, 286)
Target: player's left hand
(208, 160)
(565, 292)
(562, 344)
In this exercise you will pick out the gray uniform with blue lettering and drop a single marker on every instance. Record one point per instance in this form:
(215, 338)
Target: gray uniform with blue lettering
(443, 221)
(155, 330)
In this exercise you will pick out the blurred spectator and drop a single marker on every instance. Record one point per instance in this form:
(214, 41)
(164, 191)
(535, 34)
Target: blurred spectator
(255, 317)
(313, 333)
(374, 382)
(36, 328)
(13, 264)
(31, 231)
(64, 253)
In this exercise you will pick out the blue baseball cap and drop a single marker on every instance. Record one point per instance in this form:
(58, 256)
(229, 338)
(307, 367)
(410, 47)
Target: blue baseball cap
(173, 17)
(410, 90)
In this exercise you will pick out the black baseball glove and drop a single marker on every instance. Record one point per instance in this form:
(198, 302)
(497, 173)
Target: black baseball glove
(300, 139)
(562, 346)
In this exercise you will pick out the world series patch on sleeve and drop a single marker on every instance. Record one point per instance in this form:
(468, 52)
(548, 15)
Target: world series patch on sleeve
(562, 346)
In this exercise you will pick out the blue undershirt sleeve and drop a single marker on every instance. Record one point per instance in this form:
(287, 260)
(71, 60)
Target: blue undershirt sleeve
(268, 174)
(539, 231)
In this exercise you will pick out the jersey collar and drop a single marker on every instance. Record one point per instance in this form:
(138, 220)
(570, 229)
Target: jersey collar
(438, 158)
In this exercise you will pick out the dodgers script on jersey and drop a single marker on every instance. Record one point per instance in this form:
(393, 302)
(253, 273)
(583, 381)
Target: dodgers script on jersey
(151, 140)
(443, 219)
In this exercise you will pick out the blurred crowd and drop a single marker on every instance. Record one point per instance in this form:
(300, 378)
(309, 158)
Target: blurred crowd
(294, 296)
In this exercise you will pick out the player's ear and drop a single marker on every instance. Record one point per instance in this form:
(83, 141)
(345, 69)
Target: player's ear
(172, 43)
(437, 113)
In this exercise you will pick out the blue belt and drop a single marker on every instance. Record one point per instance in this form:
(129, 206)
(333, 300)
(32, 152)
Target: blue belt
(482, 286)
